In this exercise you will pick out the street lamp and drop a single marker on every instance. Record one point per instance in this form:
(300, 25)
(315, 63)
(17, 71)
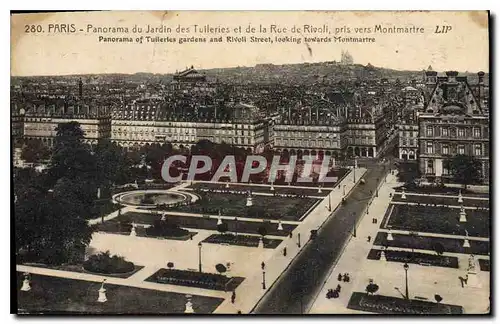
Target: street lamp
(343, 192)
(199, 257)
(354, 170)
(405, 266)
(263, 266)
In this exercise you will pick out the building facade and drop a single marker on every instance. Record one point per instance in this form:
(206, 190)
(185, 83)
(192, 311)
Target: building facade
(453, 122)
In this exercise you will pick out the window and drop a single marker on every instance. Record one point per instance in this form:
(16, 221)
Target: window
(461, 149)
(429, 131)
(430, 166)
(477, 132)
(444, 131)
(461, 132)
(477, 149)
(430, 147)
(446, 149)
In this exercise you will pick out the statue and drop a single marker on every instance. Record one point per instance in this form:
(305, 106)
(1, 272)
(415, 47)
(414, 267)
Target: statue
(472, 264)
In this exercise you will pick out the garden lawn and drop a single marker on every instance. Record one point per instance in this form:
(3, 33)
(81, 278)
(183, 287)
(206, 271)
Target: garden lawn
(53, 295)
(391, 305)
(266, 207)
(441, 220)
(416, 258)
(197, 223)
(196, 279)
(428, 243)
(242, 240)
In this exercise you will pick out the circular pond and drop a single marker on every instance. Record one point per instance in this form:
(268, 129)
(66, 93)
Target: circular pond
(152, 198)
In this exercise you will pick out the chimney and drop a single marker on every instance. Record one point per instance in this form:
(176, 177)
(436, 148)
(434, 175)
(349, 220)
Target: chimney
(452, 76)
(480, 81)
(430, 77)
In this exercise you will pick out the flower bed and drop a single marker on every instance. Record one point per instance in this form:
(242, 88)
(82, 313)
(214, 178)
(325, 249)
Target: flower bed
(289, 190)
(484, 264)
(391, 305)
(416, 258)
(116, 227)
(266, 207)
(195, 279)
(439, 220)
(104, 263)
(428, 243)
(447, 201)
(241, 240)
(201, 223)
(429, 190)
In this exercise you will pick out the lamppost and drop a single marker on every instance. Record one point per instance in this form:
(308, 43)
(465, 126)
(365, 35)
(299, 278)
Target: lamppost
(354, 170)
(199, 257)
(263, 266)
(405, 266)
(343, 192)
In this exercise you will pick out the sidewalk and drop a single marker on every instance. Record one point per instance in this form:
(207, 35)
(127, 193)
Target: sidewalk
(251, 290)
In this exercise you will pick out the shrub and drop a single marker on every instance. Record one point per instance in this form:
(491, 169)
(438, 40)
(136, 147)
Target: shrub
(220, 268)
(166, 229)
(107, 264)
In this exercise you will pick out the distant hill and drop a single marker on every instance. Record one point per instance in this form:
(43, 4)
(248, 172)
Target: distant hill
(298, 74)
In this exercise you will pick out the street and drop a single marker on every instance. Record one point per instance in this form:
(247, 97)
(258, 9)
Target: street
(296, 289)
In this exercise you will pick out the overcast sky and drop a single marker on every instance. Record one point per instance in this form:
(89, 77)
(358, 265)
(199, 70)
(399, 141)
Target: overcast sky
(464, 48)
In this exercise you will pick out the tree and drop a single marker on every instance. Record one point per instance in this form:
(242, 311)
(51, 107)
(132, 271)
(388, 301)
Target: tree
(372, 288)
(408, 172)
(71, 158)
(51, 227)
(222, 228)
(439, 248)
(112, 164)
(35, 152)
(465, 169)
(438, 298)
(220, 268)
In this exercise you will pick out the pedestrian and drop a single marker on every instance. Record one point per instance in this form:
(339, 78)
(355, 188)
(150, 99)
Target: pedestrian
(369, 238)
(233, 297)
(345, 277)
(338, 288)
(284, 251)
(376, 221)
(348, 278)
(290, 235)
(339, 277)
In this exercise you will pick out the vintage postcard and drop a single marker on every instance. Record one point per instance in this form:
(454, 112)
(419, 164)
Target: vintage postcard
(251, 162)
